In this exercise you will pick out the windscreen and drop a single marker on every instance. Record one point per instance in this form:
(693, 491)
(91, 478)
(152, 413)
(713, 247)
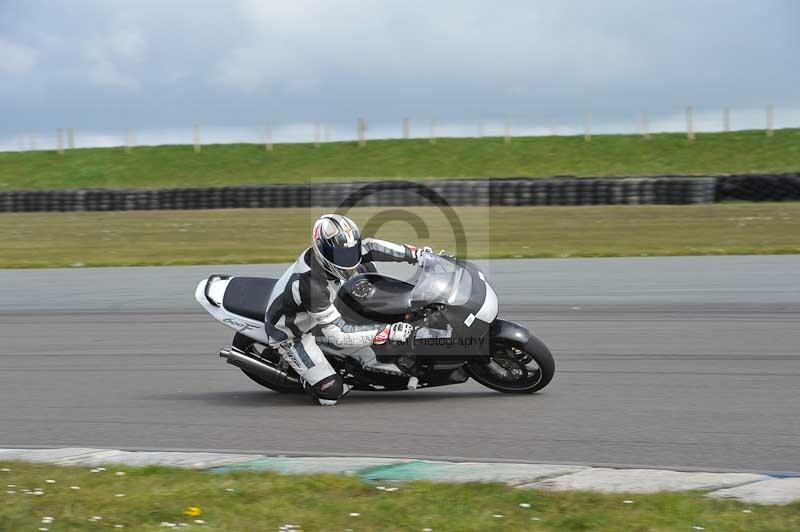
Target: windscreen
(442, 281)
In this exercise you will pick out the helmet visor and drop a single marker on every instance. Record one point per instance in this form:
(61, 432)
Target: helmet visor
(343, 257)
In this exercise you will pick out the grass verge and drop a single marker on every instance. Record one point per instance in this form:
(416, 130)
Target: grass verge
(278, 235)
(233, 164)
(151, 498)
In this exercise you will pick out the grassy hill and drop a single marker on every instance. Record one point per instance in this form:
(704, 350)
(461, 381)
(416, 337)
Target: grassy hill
(228, 164)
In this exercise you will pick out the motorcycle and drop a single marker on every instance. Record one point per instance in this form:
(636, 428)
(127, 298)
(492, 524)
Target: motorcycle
(457, 332)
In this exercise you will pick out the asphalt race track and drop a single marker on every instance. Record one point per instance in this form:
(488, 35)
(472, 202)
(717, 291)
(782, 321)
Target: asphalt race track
(676, 362)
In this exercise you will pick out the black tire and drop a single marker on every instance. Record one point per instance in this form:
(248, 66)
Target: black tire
(531, 382)
(246, 344)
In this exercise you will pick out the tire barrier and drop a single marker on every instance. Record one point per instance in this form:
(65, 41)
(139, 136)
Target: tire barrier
(495, 192)
(780, 187)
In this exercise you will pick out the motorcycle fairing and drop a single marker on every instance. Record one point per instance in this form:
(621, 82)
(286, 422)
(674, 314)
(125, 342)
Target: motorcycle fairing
(210, 293)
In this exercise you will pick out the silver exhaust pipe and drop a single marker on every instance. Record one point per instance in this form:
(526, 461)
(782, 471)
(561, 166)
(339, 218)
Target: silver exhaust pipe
(265, 370)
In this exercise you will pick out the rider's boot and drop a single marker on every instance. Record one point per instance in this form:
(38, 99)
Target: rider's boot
(369, 361)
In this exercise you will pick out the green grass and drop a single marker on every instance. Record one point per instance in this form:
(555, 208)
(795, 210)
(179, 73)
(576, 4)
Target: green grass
(265, 501)
(606, 155)
(278, 235)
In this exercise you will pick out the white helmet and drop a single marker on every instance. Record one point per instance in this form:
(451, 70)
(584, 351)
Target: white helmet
(336, 240)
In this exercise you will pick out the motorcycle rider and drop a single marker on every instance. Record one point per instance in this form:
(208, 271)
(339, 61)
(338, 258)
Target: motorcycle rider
(300, 311)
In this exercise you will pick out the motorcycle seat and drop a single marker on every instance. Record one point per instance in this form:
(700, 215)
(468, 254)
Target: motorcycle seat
(248, 296)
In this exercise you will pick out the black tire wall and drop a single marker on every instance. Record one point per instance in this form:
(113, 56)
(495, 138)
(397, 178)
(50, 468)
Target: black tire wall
(664, 190)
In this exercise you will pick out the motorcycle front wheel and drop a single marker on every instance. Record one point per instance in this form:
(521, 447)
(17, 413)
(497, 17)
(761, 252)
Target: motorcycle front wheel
(513, 368)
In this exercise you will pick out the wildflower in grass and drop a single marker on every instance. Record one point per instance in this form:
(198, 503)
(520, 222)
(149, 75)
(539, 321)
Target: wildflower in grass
(120, 473)
(193, 511)
(524, 505)
(354, 514)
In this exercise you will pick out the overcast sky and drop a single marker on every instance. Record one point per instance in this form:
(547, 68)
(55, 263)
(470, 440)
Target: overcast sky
(103, 66)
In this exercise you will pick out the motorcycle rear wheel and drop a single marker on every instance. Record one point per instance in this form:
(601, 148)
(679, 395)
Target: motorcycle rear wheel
(250, 347)
(514, 361)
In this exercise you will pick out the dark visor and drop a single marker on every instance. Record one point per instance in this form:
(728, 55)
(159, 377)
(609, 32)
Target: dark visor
(347, 257)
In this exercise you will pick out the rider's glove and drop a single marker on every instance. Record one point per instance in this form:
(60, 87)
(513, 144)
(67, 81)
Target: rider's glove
(396, 332)
(419, 254)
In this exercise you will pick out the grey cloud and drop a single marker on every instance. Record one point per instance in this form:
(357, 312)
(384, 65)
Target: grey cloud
(107, 66)
(16, 58)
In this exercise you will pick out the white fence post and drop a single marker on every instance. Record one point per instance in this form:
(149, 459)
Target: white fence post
(268, 137)
(406, 128)
(507, 130)
(129, 142)
(21, 142)
(362, 132)
(770, 120)
(690, 123)
(197, 147)
(726, 119)
(60, 141)
(554, 126)
(587, 127)
(71, 139)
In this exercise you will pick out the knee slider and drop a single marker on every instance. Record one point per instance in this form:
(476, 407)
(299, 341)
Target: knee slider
(329, 388)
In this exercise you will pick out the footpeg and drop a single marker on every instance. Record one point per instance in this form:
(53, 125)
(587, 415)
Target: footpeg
(383, 367)
(413, 383)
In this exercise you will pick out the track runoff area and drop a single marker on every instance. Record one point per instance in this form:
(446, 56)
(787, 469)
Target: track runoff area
(668, 362)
